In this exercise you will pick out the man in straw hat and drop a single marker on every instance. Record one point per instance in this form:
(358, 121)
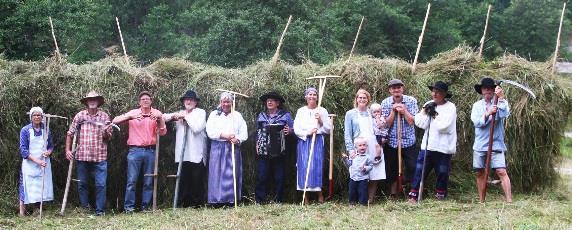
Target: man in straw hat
(439, 119)
(91, 153)
(143, 125)
(393, 107)
(482, 114)
(191, 190)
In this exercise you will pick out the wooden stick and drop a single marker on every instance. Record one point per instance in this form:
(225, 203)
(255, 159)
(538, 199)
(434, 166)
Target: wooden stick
(322, 77)
(277, 53)
(558, 38)
(237, 93)
(156, 170)
(421, 38)
(331, 169)
(485, 32)
(321, 88)
(54, 37)
(356, 38)
(122, 43)
(70, 172)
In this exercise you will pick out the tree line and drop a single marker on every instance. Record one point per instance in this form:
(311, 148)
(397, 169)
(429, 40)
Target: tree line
(236, 33)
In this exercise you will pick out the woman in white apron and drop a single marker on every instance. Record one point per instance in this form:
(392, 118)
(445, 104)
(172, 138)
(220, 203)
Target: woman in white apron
(36, 173)
(359, 122)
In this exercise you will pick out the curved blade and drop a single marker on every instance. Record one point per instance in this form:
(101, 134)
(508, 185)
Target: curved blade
(520, 86)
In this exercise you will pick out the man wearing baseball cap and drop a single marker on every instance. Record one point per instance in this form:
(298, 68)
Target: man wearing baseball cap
(404, 106)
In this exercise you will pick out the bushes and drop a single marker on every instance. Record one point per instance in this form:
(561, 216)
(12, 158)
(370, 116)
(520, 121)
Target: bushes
(533, 131)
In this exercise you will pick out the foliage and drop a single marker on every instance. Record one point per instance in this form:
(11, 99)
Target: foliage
(238, 33)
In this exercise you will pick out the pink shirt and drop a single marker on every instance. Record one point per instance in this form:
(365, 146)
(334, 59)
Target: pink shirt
(143, 132)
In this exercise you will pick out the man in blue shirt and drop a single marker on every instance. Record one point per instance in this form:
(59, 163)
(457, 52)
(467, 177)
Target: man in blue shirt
(482, 114)
(406, 106)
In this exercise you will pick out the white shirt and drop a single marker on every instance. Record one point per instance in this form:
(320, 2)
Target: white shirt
(217, 124)
(305, 121)
(443, 129)
(196, 143)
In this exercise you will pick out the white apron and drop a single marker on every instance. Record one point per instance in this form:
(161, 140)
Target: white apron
(32, 172)
(366, 130)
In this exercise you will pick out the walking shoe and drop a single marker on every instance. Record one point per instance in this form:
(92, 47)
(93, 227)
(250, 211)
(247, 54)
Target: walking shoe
(440, 196)
(100, 214)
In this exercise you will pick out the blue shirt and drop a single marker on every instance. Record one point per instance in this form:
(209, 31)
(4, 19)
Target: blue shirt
(408, 131)
(25, 139)
(355, 165)
(482, 126)
(351, 126)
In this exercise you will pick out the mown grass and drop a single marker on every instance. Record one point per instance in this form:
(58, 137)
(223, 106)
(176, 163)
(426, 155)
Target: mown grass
(549, 210)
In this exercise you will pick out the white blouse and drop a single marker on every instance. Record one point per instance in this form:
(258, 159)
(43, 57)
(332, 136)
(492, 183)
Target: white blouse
(305, 121)
(230, 123)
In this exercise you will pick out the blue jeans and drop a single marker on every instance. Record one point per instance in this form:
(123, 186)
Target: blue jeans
(441, 164)
(98, 171)
(269, 168)
(137, 159)
(358, 191)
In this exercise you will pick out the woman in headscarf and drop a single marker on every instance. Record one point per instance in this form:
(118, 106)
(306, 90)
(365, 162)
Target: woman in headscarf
(272, 126)
(225, 129)
(359, 122)
(310, 120)
(36, 173)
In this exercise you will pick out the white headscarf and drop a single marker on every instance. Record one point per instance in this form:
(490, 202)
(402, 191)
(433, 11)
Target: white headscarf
(35, 110)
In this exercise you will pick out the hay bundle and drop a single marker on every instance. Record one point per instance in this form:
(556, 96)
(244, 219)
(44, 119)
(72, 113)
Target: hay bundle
(533, 131)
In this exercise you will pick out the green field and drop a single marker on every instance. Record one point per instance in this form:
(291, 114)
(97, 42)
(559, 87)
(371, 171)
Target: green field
(549, 210)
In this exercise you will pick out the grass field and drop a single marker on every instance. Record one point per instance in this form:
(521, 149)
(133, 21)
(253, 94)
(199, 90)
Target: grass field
(550, 210)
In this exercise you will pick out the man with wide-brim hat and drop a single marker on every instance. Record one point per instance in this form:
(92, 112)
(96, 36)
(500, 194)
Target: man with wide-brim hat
(438, 118)
(404, 106)
(483, 112)
(273, 125)
(190, 131)
(91, 126)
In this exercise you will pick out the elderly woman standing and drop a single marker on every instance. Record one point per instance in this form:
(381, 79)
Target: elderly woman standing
(35, 148)
(359, 122)
(224, 129)
(310, 120)
(272, 126)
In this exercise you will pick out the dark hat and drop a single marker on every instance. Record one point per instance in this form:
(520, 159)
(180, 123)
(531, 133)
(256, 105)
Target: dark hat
(190, 94)
(441, 86)
(395, 81)
(273, 95)
(93, 95)
(486, 81)
(145, 93)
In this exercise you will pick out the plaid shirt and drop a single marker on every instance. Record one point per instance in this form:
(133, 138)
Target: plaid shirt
(408, 136)
(90, 144)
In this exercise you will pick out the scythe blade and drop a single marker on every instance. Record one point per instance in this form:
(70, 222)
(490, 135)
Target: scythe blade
(519, 86)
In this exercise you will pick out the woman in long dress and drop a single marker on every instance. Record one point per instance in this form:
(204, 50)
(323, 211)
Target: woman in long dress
(310, 120)
(225, 129)
(36, 173)
(359, 122)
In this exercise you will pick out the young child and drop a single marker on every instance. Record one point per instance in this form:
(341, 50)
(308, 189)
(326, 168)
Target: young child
(359, 166)
(379, 128)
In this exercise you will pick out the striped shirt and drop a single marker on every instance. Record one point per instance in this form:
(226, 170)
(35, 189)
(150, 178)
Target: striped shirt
(91, 145)
(408, 131)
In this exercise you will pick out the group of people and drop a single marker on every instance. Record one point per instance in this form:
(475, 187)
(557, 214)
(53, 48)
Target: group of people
(377, 137)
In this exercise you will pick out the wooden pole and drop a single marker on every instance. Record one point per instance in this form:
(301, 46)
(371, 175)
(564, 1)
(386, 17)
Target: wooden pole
(558, 38)
(331, 169)
(356, 38)
(421, 38)
(277, 53)
(485, 32)
(54, 37)
(122, 43)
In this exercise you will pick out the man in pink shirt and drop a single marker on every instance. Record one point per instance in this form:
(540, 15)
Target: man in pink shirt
(142, 139)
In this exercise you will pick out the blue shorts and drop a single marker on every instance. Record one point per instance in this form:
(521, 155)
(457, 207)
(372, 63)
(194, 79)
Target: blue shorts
(497, 160)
